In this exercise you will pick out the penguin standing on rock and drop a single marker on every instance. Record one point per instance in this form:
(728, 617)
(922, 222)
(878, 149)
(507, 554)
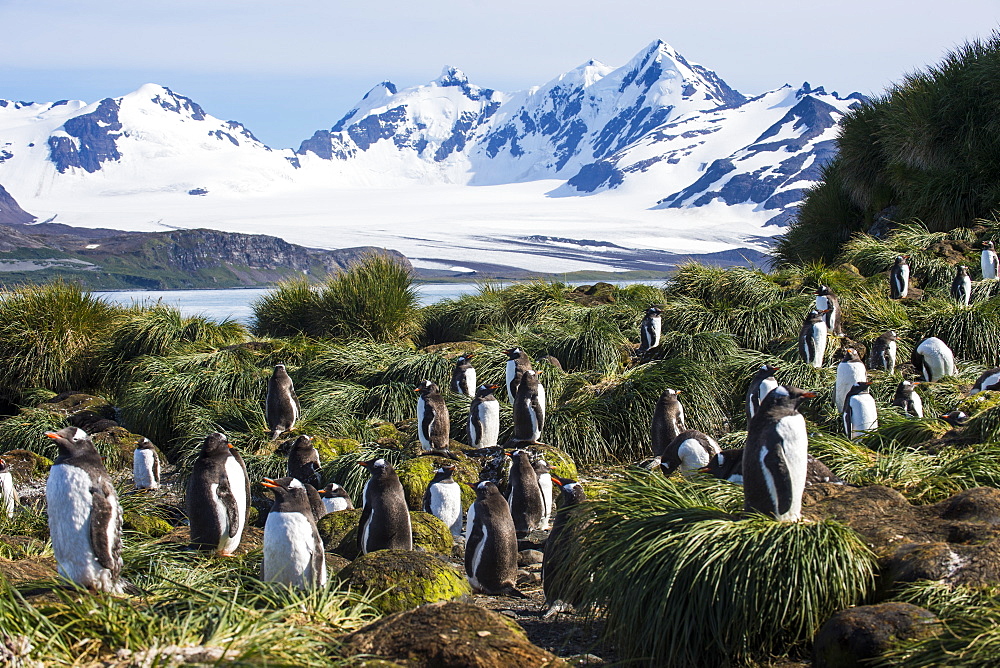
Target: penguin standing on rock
(484, 418)
(146, 465)
(517, 364)
(812, 338)
(989, 262)
(689, 452)
(443, 499)
(828, 304)
(650, 329)
(906, 397)
(491, 546)
(335, 498)
(85, 518)
(558, 546)
(282, 404)
(860, 414)
(529, 409)
(463, 377)
(668, 423)
(775, 457)
(883, 353)
(293, 548)
(218, 496)
(433, 424)
(303, 462)
(544, 474)
(933, 359)
(760, 386)
(850, 372)
(988, 380)
(385, 520)
(8, 493)
(524, 495)
(961, 286)
(899, 278)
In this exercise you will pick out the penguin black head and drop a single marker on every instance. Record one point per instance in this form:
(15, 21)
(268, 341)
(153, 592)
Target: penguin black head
(849, 355)
(486, 391)
(955, 418)
(988, 245)
(768, 370)
(572, 491)
(426, 387)
(72, 441)
(890, 336)
(901, 260)
(303, 442)
(670, 394)
(332, 490)
(907, 386)
(860, 388)
(653, 311)
(962, 270)
(285, 487)
(514, 353)
(786, 395)
(463, 359)
(279, 370)
(823, 290)
(541, 467)
(144, 444)
(485, 489)
(378, 467)
(4, 466)
(215, 445)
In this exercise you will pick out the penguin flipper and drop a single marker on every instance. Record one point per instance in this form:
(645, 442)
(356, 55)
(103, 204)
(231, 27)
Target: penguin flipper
(225, 494)
(107, 545)
(246, 476)
(782, 482)
(156, 468)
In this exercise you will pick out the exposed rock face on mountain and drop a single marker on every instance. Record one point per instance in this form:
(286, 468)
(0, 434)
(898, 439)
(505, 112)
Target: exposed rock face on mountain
(10, 212)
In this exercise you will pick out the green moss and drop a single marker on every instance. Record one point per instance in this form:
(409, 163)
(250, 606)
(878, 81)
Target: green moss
(430, 534)
(152, 526)
(387, 430)
(331, 448)
(416, 474)
(339, 532)
(561, 463)
(408, 578)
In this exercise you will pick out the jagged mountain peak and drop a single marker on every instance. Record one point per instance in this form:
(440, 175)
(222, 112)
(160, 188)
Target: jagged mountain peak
(451, 76)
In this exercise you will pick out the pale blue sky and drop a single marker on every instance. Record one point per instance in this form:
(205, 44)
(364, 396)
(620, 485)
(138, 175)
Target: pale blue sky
(288, 68)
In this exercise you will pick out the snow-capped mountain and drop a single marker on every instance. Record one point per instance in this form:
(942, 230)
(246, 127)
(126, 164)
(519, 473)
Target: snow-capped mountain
(659, 154)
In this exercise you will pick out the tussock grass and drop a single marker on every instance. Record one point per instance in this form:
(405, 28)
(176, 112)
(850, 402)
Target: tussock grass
(972, 332)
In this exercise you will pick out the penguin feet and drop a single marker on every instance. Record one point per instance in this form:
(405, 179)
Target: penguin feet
(512, 592)
(439, 453)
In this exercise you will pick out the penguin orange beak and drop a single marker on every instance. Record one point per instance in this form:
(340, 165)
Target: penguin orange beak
(473, 486)
(809, 395)
(495, 387)
(267, 482)
(450, 468)
(362, 463)
(52, 434)
(556, 481)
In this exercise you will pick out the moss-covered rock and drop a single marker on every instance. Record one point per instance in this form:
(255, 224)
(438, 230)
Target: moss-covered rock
(430, 534)
(386, 433)
(339, 532)
(150, 525)
(416, 474)
(72, 403)
(854, 637)
(408, 579)
(27, 465)
(558, 460)
(331, 448)
(117, 445)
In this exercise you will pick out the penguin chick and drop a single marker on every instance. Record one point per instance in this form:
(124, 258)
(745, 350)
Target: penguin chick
(303, 462)
(883, 352)
(828, 304)
(899, 278)
(282, 403)
(689, 452)
(524, 495)
(988, 380)
(433, 424)
(812, 338)
(650, 329)
(989, 262)
(293, 548)
(529, 408)
(961, 286)
(335, 498)
(463, 377)
(443, 499)
(860, 414)
(907, 398)
(484, 418)
(146, 465)
(385, 520)
(933, 359)
(517, 364)
(668, 423)
(9, 498)
(559, 546)
(491, 545)
(85, 518)
(218, 496)
(760, 386)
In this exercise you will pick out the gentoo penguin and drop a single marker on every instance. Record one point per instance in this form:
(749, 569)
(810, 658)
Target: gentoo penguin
(689, 452)
(961, 286)
(491, 546)
(8, 494)
(558, 546)
(907, 398)
(463, 377)
(899, 278)
(145, 465)
(524, 494)
(385, 520)
(850, 372)
(774, 460)
(649, 329)
(517, 364)
(828, 304)
(933, 359)
(336, 498)
(85, 518)
(433, 424)
(728, 466)
(303, 462)
(484, 418)
(812, 338)
(988, 261)
(293, 549)
(955, 418)
(319, 510)
(760, 385)
(218, 496)
(883, 353)
(988, 380)
(860, 413)
(668, 423)
(282, 404)
(529, 408)
(544, 473)
(443, 499)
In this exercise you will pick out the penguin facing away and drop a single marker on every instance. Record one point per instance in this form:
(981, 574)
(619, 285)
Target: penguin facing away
(463, 377)
(218, 496)
(907, 398)
(899, 278)
(812, 338)
(775, 457)
(961, 286)
(145, 465)
(433, 424)
(933, 359)
(760, 385)
(860, 413)
(335, 498)
(524, 496)
(85, 518)
(517, 363)
(689, 452)
(303, 462)
(484, 418)
(282, 403)
(491, 547)
(293, 548)
(883, 352)
(668, 422)
(559, 544)
(850, 372)
(9, 497)
(544, 473)
(529, 408)
(989, 262)
(650, 329)
(828, 304)
(443, 499)
(385, 520)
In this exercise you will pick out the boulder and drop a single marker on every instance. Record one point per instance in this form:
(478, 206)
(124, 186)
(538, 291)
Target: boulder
(26, 465)
(450, 635)
(339, 532)
(408, 579)
(855, 636)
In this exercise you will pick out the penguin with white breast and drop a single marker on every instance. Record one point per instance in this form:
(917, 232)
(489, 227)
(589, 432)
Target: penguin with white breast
(293, 548)
(491, 544)
(443, 499)
(517, 363)
(899, 278)
(933, 359)
(529, 409)
(9, 498)
(524, 494)
(883, 352)
(961, 285)
(828, 304)
(850, 372)
(146, 465)
(760, 385)
(988, 380)
(689, 452)
(335, 498)
(282, 404)
(559, 545)
(860, 414)
(433, 424)
(955, 418)
(484, 418)
(463, 376)
(544, 473)
(218, 496)
(303, 462)
(812, 338)
(775, 457)
(989, 262)
(650, 329)
(85, 518)
(385, 520)
(906, 397)
(668, 423)
(728, 466)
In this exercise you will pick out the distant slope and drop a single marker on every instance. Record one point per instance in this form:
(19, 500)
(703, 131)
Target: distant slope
(10, 212)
